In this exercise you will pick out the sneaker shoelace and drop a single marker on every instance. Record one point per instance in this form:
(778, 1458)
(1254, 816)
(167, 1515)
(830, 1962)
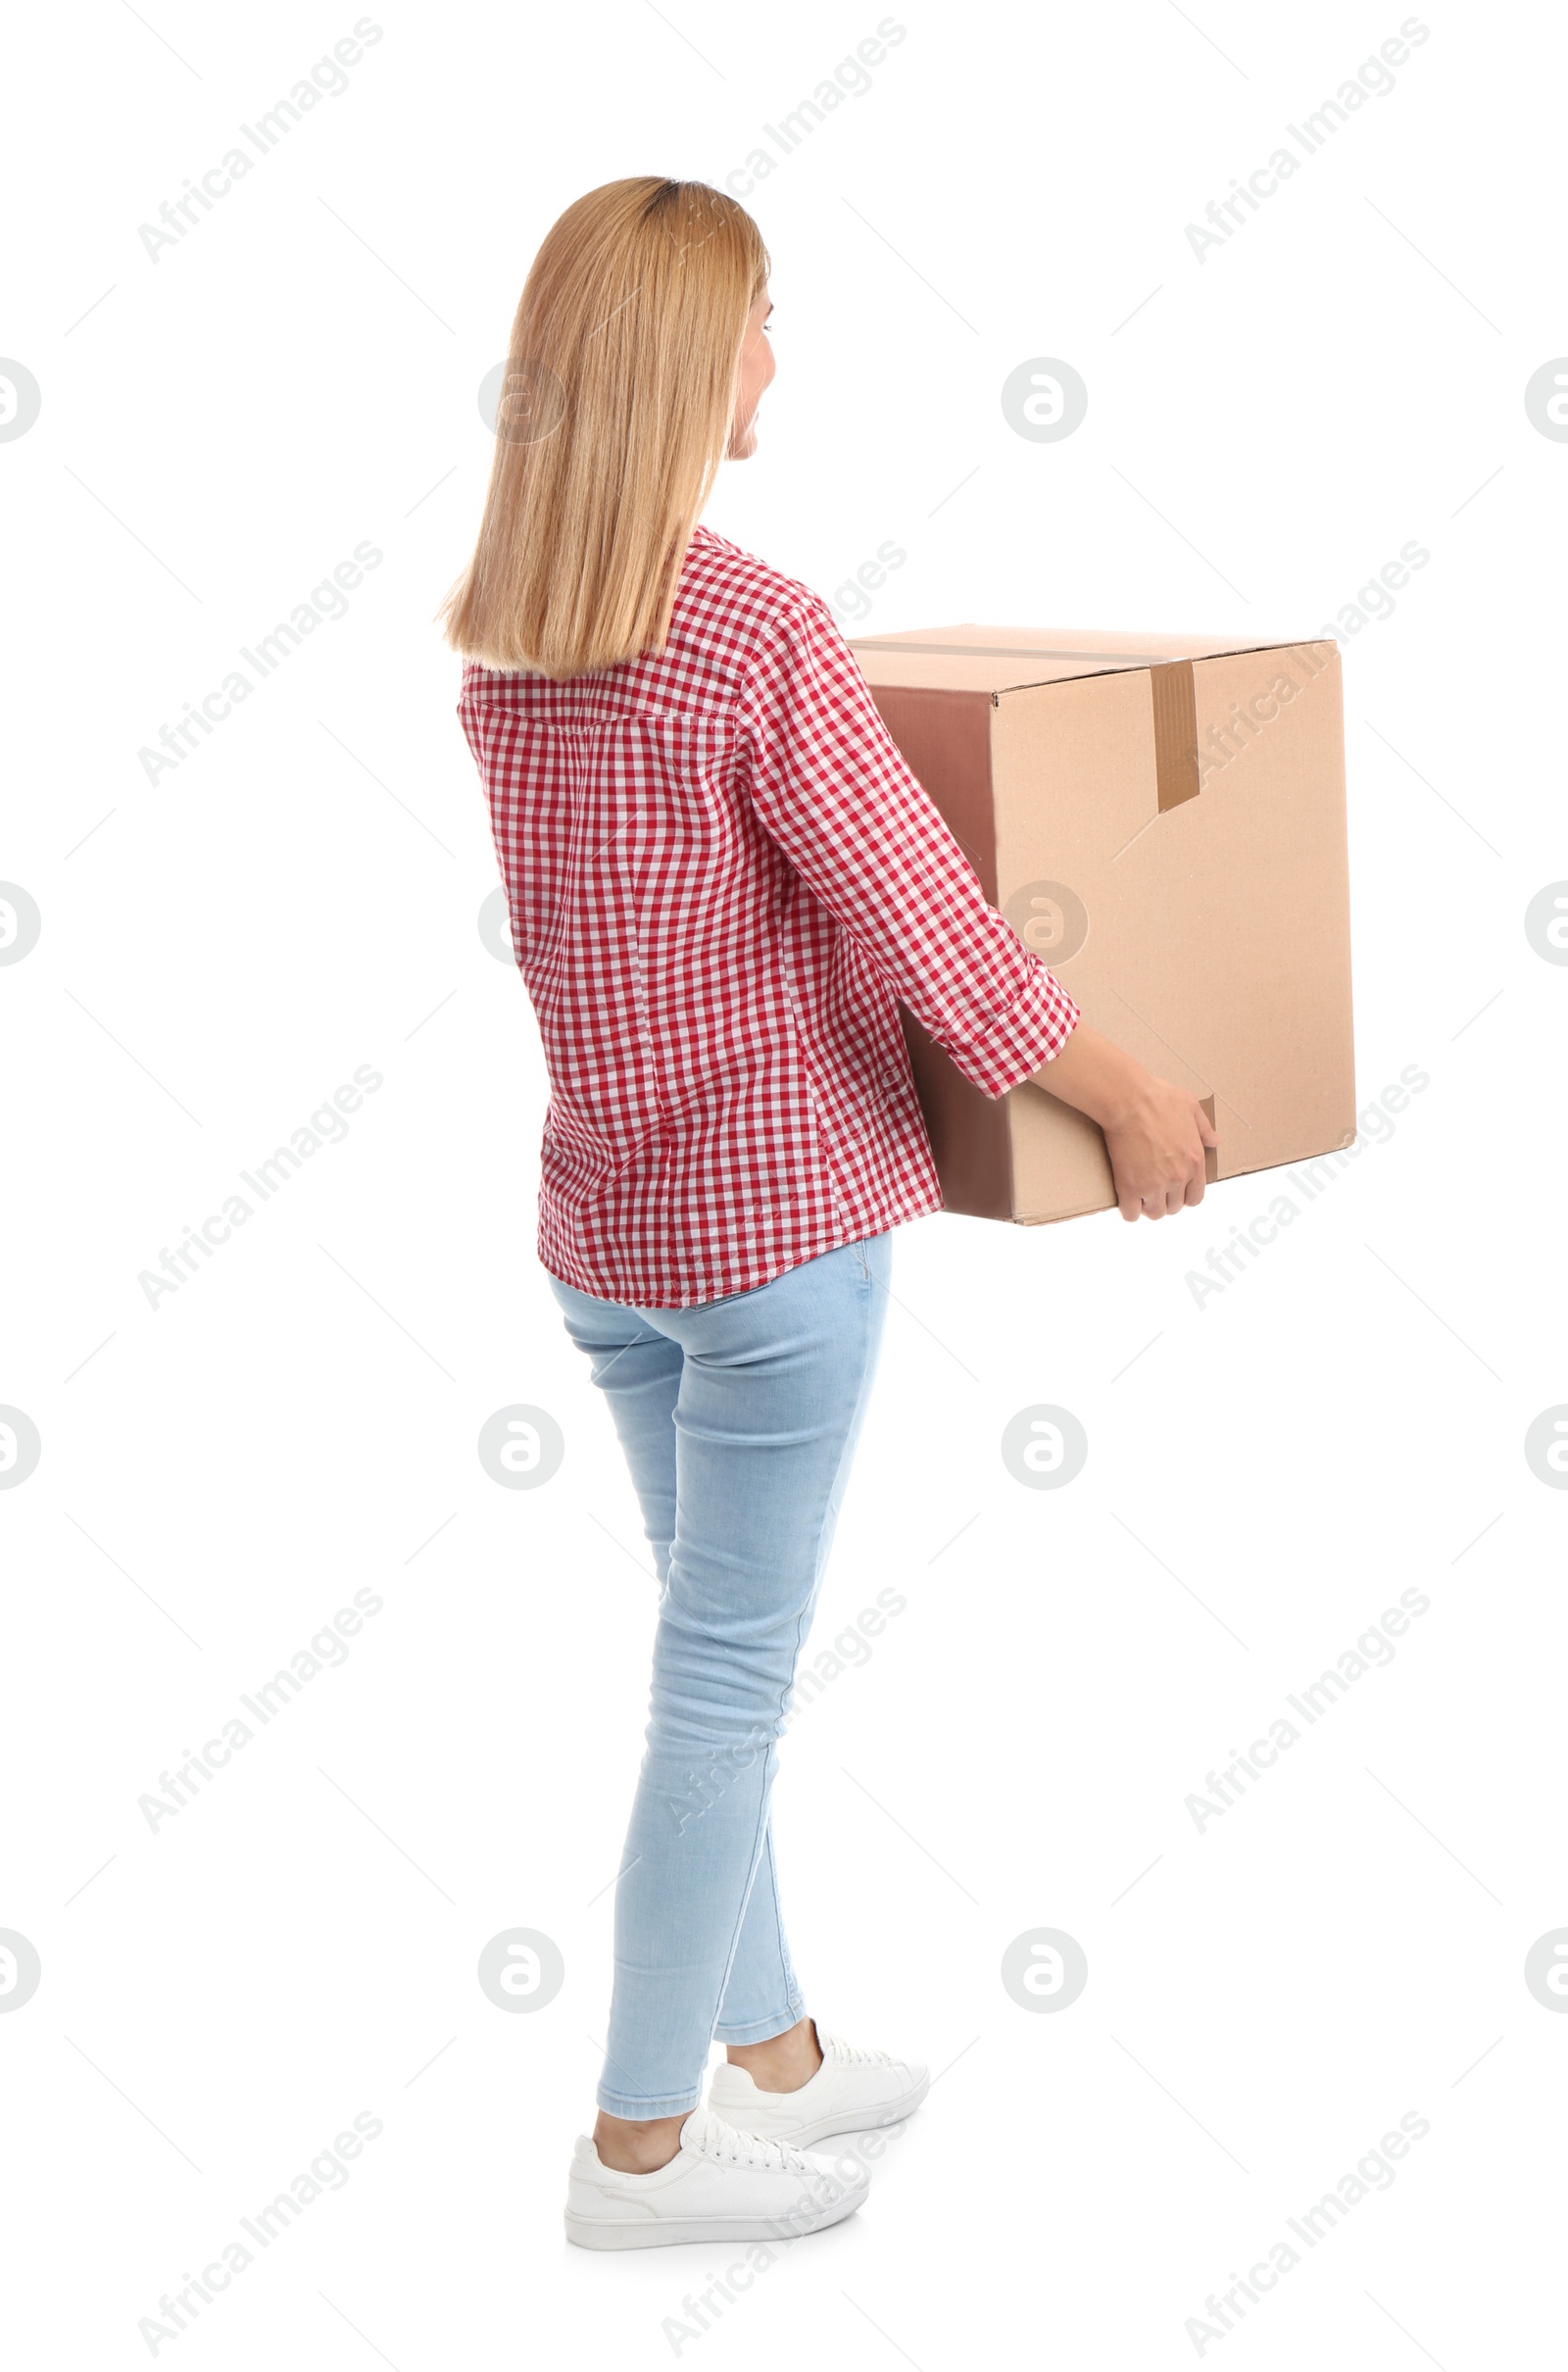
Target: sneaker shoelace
(726, 2148)
(852, 2054)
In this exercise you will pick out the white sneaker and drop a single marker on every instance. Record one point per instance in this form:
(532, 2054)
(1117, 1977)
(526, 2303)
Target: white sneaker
(719, 2186)
(854, 2091)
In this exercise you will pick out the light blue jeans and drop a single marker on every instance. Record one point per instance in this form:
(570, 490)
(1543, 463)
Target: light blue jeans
(739, 1420)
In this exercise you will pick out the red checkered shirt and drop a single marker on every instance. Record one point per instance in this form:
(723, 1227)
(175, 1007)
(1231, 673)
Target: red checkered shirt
(723, 880)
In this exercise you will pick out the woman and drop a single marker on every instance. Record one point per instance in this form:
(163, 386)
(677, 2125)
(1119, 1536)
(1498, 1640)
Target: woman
(722, 881)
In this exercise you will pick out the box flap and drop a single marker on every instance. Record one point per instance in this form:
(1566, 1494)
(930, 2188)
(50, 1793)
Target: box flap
(1005, 658)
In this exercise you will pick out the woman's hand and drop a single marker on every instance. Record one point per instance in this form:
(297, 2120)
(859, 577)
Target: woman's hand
(1155, 1134)
(1157, 1151)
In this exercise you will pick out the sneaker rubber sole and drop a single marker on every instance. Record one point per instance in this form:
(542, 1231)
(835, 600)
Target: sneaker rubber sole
(604, 2232)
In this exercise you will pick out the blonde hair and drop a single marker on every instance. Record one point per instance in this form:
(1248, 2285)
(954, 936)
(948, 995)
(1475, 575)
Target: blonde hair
(616, 413)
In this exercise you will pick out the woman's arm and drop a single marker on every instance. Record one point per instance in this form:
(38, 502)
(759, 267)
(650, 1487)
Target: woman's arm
(833, 791)
(831, 787)
(1154, 1133)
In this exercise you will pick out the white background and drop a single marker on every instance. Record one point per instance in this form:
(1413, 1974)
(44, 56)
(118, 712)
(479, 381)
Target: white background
(222, 947)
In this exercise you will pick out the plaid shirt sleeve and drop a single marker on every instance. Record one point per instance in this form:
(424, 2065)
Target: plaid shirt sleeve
(832, 790)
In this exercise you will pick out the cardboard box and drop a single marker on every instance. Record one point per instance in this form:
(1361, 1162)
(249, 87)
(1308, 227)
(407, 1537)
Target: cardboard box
(1160, 816)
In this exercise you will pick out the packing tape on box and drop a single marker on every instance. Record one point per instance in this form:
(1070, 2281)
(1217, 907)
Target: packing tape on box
(1175, 700)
